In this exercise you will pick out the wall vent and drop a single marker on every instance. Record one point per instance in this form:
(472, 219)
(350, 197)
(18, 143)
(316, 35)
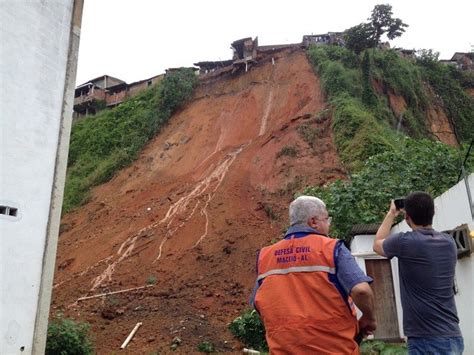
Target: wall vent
(462, 239)
(8, 211)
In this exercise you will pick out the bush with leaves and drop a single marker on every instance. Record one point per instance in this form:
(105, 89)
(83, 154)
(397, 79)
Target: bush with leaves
(377, 347)
(419, 165)
(66, 337)
(450, 84)
(206, 347)
(249, 329)
(103, 144)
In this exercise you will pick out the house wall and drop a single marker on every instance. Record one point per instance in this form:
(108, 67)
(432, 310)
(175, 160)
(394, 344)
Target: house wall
(134, 89)
(116, 98)
(39, 47)
(451, 210)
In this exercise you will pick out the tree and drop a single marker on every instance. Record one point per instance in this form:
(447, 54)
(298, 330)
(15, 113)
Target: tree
(427, 57)
(360, 37)
(382, 22)
(368, 35)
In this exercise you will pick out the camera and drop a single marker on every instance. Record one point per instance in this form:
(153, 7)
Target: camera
(399, 203)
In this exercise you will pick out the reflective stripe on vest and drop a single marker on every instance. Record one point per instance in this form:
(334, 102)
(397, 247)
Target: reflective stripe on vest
(289, 270)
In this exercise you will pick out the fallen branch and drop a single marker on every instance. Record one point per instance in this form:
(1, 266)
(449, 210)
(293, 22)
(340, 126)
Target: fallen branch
(130, 336)
(112, 293)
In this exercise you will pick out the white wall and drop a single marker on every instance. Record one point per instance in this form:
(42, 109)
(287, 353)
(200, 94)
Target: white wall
(451, 210)
(38, 54)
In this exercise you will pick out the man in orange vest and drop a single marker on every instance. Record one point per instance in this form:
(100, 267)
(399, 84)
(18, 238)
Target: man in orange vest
(306, 285)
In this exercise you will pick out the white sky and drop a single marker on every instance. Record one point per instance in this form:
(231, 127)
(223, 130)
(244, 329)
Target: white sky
(137, 39)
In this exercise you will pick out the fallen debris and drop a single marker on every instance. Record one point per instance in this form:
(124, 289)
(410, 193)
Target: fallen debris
(112, 293)
(130, 336)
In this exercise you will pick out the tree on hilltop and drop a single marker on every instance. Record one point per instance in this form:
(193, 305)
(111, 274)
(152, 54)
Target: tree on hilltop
(368, 35)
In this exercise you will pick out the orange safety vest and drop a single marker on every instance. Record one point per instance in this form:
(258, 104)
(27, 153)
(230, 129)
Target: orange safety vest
(298, 299)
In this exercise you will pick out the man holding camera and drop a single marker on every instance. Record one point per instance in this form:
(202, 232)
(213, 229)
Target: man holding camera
(306, 286)
(426, 262)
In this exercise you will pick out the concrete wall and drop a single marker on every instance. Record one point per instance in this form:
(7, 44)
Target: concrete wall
(451, 210)
(39, 46)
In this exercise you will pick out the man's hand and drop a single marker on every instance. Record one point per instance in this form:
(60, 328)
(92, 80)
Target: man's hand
(367, 325)
(393, 210)
(384, 229)
(364, 299)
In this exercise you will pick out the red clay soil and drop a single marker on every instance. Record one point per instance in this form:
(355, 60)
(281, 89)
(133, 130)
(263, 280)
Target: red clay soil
(189, 215)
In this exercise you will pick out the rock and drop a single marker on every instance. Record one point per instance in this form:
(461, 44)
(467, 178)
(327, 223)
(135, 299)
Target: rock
(176, 340)
(151, 339)
(108, 314)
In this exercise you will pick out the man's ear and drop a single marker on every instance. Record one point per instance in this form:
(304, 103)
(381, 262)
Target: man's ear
(312, 222)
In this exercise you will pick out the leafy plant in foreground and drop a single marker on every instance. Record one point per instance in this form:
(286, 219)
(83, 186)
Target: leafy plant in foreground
(249, 329)
(65, 337)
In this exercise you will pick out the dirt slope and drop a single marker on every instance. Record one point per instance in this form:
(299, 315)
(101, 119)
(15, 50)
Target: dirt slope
(190, 213)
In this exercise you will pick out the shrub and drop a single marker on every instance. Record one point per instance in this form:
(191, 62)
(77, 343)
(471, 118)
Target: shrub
(249, 329)
(151, 280)
(308, 133)
(377, 347)
(65, 336)
(357, 134)
(288, 150)
(206, 347)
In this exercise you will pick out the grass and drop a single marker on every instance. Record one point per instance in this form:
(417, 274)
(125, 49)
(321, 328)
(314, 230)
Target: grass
(103, 144)
(287, 150)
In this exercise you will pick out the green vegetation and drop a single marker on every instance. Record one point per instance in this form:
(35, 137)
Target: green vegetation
(363, 121)
(359, 130)
(449, 83)
(288, 150)
(368, 35)
(103, 144)
(269, 211)
(151, 280)
(206, 347)
(248, 328)
(377, 347)
(364, 198)
(309, 134)
(373, 143)
(66, 336)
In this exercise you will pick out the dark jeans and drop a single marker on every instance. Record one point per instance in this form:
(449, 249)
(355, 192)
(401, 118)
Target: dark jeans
(436, 346)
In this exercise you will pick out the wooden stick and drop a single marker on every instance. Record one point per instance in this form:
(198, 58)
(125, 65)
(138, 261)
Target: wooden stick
(130, 336)
(112, 293)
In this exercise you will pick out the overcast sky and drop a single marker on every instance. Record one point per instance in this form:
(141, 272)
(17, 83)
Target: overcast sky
(135, 40)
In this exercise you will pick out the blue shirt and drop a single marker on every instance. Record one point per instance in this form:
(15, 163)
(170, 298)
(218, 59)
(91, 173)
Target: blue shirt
(426, 265)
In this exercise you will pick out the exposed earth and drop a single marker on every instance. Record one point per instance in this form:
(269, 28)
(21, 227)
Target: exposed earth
(187, 218)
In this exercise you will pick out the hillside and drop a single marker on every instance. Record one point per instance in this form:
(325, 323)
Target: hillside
(187, 217)
(191, 211)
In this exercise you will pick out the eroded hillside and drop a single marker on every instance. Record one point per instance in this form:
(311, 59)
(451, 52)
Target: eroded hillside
(188, 216)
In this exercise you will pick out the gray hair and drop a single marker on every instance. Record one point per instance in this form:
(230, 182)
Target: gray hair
(305, 207)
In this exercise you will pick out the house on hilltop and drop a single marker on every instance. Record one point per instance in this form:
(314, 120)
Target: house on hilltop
(461, 60)
(107, 91)
(465, 61)
(336, 38)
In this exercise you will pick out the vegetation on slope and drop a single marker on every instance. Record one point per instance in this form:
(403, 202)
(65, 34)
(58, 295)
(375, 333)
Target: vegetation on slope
(66, 336)
(384, 162)
(107, 142)
(450, 84)
(364, 198)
